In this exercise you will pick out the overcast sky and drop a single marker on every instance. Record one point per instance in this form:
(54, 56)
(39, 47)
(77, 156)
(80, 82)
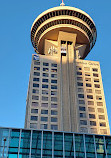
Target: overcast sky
(16, 18)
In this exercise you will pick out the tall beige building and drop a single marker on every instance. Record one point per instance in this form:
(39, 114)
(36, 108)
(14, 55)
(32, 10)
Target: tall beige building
(65, 92)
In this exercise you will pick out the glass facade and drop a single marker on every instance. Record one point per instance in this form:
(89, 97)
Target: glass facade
(21, 143)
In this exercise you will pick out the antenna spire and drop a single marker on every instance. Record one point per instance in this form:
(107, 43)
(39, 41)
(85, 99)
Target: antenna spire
(62, 4)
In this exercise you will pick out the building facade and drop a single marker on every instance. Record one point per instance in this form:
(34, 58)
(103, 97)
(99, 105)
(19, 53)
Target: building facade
(65, 91)
(22, 143)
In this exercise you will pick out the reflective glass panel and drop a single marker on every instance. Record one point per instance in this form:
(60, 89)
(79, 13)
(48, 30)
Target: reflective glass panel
(58, 145)
(108, 145)
(79, 146)
(90, 149)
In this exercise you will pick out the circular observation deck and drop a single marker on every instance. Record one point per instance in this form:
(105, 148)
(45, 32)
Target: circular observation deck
(63, 18)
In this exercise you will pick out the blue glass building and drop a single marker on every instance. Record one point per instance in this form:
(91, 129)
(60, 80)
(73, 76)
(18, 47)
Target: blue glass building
(22, 143)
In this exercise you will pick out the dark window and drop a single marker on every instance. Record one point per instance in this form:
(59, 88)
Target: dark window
(97, 86)
(79, 78)
(90, 96)
(53, 112)
(35, 85)
(53, 81)
(78, 68)
(81, 102)
(36, 63)
(83, 122)
(94, 69)
(35, 79)
(35, 111)
(53, 87)
(44, 98)
(45, 69)
(36, 73)
(54, 65)
(34, 118)
(44, 92)
(44, 86)
(35, 97)
(92, 116)
(45, 80)
(103, 124)
(82, 108)
(35, 103)
(44, 111)
(53, 70)
(54, 75)
(35, 91)
(43, 126)
(79, 84)
(54, 127)
(79, 73)
(44, 118)
(80, 95)
(93, 123)
(53, 119)
(95, 75)
(36, 68)
(53, 92)
(45, 64)
(88, 85)
(45, 74)
(83, 115)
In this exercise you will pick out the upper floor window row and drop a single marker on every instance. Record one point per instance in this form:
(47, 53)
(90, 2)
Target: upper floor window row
(37, 68)
(45, 64)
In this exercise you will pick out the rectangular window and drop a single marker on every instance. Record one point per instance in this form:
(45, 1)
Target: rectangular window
(100, 110)
(79, 84)
(88, 85)
(35, 97)
(89, 90)
(83, 115)
(53, 92)
(96, 80)
(36, 63)
(82, 108)
(92, 116)
(43, 126)
(78, 68)
(81, 102)
(86, 68)
(45, 69)
(35, 111)
(79, 78)
(45, 92)
(36, 73)
(101, 117)
(35, 104)
(87, 74)
(54, 75)
(54, 112)
(44, 86)
(80, 95)
(97, 86)
(90, 103)
(34, 118)
(44, 111)
(94, 69)
(45, 64)
(95, 75)
(53, 87)
(53, 105)
(80, 90)
(44, 119)
(33, 125)
(88, 79)
(103, 124)
(90, 96)
(54, 65)
(54, 99)
(44, 98)
(99, 103)
(53, 81)
(98, 91)
(99, 97)
(53, 119)
(35, 91)
(36, 68)
(45, 80)
(53, 70)
(83, 122)
(35, 85)
(45, 74)
(91, 109)
(45, 105)
(79, 73)
(36, 79)
(54, 127)
(93, 123)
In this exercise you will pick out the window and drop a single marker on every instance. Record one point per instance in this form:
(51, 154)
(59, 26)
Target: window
(45, 64)
(97, 86)
(101, 117)
(53, 81)
(33, 125)
(35, 103)
(103, 124)
(36, 68)
(35, 85)
(45, 80)
(35, 91)
(83, 115)
(79, 78)
(79, 73)
(80, 95)
(94, 69)
(92, 116)
(78, 68)
(36, 79)
(45, 105)
(86, 68)
(43, 126)
(54, 75)
(80, 90)
(53, 105)
(90, 103)
(45, 92)
(87, 74)
(54, 127)
(83, 122)
(88, 79)
(82, 108)
(79, 84)
(54, 99)
(44, 98)
(53, 70)
(53, 92)
(45, 69)
(53, 87)
(44, 111)
(88, 85)
(44, 86)
(34, 118)
(45, 74)
(98, 91)
(100, 110)
(99, 103)
(53, 119)
(36, 63)
(96, 80)
(53, 112)
(90, 96)
(83, 129)
(89, 90)
(44, 118)
(95, 75)
(91, 109)
(93, 123)
(35, 97)
(98, 97)
(36, 73)
(54, 65)
(103, 131)
(81, 102)
(35, 111)
(94, 130)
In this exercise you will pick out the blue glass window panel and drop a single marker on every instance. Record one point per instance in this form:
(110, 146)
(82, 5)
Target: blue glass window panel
(47, 144)
(90, 148)
(25, 142)
(58, 145)
(108, 145)
(69, 146)
(79, 146)
(36, 144)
